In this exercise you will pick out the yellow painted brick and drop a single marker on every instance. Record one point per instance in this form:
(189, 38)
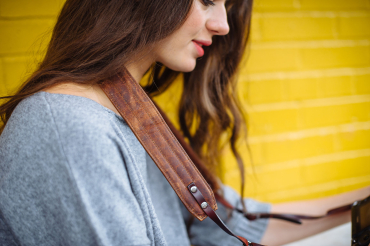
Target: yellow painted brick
(232, 179)
(334, 86)
(262, 60)
(353, 167)
(228, 163)
(21, 8)
(273, 5)
(353, 140)
(354, 26)
(19, 36)
(321, 173)
(308, 192)
(356, 186)
(332, 171)
(314, 58)
(281, 151)
(259, 184)
(263, 91)
(268, 122)
(333, 4)
(297, 28)
(360, 111)
(362, 84)
(170, 99)
(2, 75)
(16, 70)
(303, 191)
(284, 187)
(258, 156)
(253, 188)
(334, 115)
(274, 179)
(301, 89)
(255, 29)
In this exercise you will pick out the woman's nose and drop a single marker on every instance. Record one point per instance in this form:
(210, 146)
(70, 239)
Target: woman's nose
(217, 24)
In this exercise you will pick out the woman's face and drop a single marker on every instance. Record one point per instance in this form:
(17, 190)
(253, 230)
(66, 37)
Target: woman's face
(180, 50)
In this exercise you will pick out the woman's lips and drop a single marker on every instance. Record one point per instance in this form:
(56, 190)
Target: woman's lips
(198, 45)
(199, 48)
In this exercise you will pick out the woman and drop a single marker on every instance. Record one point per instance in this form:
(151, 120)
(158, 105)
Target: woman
(73, 173)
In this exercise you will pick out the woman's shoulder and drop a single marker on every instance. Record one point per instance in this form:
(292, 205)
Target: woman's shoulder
(66, 112)
(71, 160)
(54, 128)
(49, 117)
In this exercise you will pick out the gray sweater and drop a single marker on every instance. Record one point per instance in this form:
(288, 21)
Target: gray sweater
(73, 173)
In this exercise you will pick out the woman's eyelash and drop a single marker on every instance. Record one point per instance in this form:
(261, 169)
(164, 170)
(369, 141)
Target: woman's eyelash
(208, 2)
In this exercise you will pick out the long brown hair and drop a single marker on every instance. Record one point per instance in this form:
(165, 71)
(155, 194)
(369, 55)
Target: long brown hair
(92, 39)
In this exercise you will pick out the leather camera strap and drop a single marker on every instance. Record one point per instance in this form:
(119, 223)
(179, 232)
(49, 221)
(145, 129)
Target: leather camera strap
(294, 218)
(139, 112)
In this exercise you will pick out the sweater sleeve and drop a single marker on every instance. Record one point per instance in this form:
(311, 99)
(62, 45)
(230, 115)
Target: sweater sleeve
(63, 180)
(206, 232)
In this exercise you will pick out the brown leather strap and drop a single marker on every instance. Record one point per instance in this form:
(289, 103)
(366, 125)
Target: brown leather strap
(210, 178)
(154, 135)
(212, 215)
(146, 122)
(294, 218)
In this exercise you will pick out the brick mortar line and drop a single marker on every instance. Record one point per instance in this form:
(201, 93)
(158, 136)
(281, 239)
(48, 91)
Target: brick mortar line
(312, 14)
(318, 188)
(22, 55)
(305, 74)
(333, 101)
(335, 157)
(313, 132)
(28, 17)
(310, 44)
(3, 77)
(308, 161)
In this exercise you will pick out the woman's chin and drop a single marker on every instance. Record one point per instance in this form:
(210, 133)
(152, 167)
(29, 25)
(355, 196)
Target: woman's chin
(184, 67)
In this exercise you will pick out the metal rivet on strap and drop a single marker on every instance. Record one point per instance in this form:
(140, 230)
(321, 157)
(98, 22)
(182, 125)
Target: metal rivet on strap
(204, 205)
(193, 189)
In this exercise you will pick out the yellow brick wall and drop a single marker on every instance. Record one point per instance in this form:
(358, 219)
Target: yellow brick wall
(25, 28)
(305, 87)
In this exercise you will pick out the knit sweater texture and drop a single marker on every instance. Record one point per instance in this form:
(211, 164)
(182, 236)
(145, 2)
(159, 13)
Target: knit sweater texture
(73, 173)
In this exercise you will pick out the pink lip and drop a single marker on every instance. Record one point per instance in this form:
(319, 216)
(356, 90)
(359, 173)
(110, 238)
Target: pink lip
(199, 49)
(203, 42)
(198, 45)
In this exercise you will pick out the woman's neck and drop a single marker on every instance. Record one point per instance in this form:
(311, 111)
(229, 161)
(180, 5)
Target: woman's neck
(139, 65)
(137, 71)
